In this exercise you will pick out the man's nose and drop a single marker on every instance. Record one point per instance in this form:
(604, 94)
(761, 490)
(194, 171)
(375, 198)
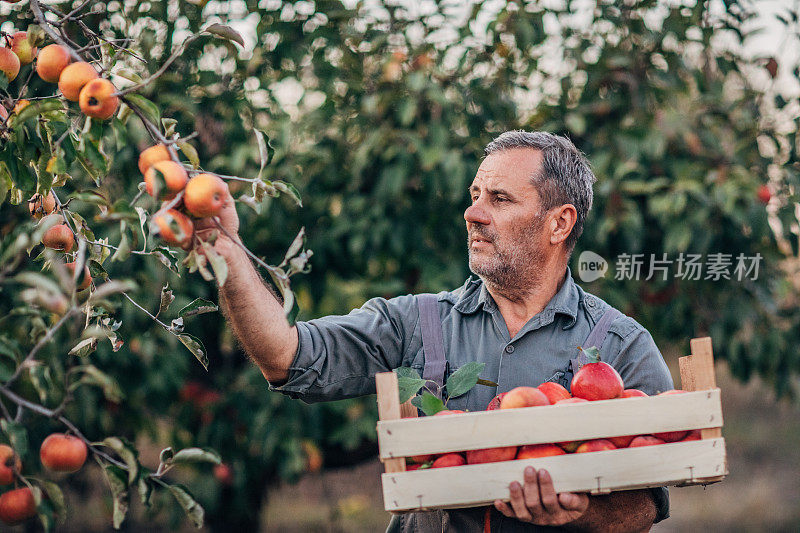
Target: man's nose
(475, 214)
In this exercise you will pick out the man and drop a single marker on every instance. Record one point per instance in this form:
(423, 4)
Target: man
(524, 317)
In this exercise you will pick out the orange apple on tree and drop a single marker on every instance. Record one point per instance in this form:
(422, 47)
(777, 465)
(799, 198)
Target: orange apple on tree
(9, 462)
(74, 77)
(16, 506)
(52, 60)
(9, 63)
(21, 45)
(63, 453)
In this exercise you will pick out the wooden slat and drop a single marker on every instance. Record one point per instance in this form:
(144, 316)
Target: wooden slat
(702, 374)
(687, 373)
(474, 485)
(407, 410)
(552, 423)
(389, 409)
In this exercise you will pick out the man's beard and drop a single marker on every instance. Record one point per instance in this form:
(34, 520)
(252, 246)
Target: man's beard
(516, 263)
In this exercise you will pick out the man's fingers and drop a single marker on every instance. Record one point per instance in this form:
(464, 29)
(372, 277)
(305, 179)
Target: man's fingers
(547, 493)
(572, 501)
(518, 502)
(532, 498)
(504, 508)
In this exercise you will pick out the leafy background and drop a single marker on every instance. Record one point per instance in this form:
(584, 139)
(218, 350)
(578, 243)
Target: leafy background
(378, 115)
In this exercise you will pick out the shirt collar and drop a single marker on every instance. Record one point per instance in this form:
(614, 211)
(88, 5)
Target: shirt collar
(565, 301)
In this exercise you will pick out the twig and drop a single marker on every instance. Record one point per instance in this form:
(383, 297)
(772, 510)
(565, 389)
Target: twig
(161, 70)
(148, 313)
(38, 346)
(38, 16)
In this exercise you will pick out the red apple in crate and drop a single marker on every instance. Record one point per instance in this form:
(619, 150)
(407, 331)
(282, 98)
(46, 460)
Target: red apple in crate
(671, 436)
(421, 459)
(449, 459)
(412, 467)
(570, 446)
(531, 451)
(633, 393)
(621, 442)
(645, 440)
(523, 397)
(495, 403)
(571, 400)
(596, 445)
(449, 412)
(554, 391)
(693, 435)
(596, 380)
(491, 455)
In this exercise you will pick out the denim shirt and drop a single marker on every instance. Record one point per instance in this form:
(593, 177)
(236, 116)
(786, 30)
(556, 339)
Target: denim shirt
(338, 357)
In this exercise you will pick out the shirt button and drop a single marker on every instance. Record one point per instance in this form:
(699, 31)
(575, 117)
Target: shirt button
(510, 348)
(590, 303)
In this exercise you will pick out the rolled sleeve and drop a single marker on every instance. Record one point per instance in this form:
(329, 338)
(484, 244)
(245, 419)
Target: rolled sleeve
(338, 356)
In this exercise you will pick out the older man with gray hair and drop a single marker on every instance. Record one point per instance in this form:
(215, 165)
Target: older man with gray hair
(523, 316)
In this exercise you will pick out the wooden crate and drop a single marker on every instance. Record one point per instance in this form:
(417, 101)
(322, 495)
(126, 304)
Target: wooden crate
(681, 463)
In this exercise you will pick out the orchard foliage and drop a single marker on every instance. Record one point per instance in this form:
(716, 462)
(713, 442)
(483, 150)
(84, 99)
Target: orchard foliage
(379, 115)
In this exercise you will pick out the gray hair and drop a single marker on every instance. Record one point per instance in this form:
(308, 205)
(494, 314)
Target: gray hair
(565, 177)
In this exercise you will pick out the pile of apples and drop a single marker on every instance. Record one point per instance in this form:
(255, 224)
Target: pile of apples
(593, 382)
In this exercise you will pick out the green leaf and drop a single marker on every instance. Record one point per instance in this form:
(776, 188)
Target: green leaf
(198, 307)
(166, 455)
(226, 32)
(265, 150)
(408, 382)
(463, 379)
(55, 496)
(190, 152)
(93, 376)
(195, 455)
(288, 188)
(295, 247)
(196, 347)
(17, 436)
(166, 299)
(145, 490)
(41, 380)
(593, 353)
(218, 263)
(127, 453)
(428, 403)
(84, 347)
(148, 108)
(116, 479)
(37, 108)
(193, 509)
(111, 287)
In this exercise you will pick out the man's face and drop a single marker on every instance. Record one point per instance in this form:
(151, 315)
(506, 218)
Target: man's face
(505, 223)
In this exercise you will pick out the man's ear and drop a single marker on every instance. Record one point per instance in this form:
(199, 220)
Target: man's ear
(563, 220)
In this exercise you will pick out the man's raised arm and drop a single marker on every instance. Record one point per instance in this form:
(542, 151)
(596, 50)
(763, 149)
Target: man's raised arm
(251, 308)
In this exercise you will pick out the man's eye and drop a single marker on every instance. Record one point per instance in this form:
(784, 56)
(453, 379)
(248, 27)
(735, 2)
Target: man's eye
(501, 199)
